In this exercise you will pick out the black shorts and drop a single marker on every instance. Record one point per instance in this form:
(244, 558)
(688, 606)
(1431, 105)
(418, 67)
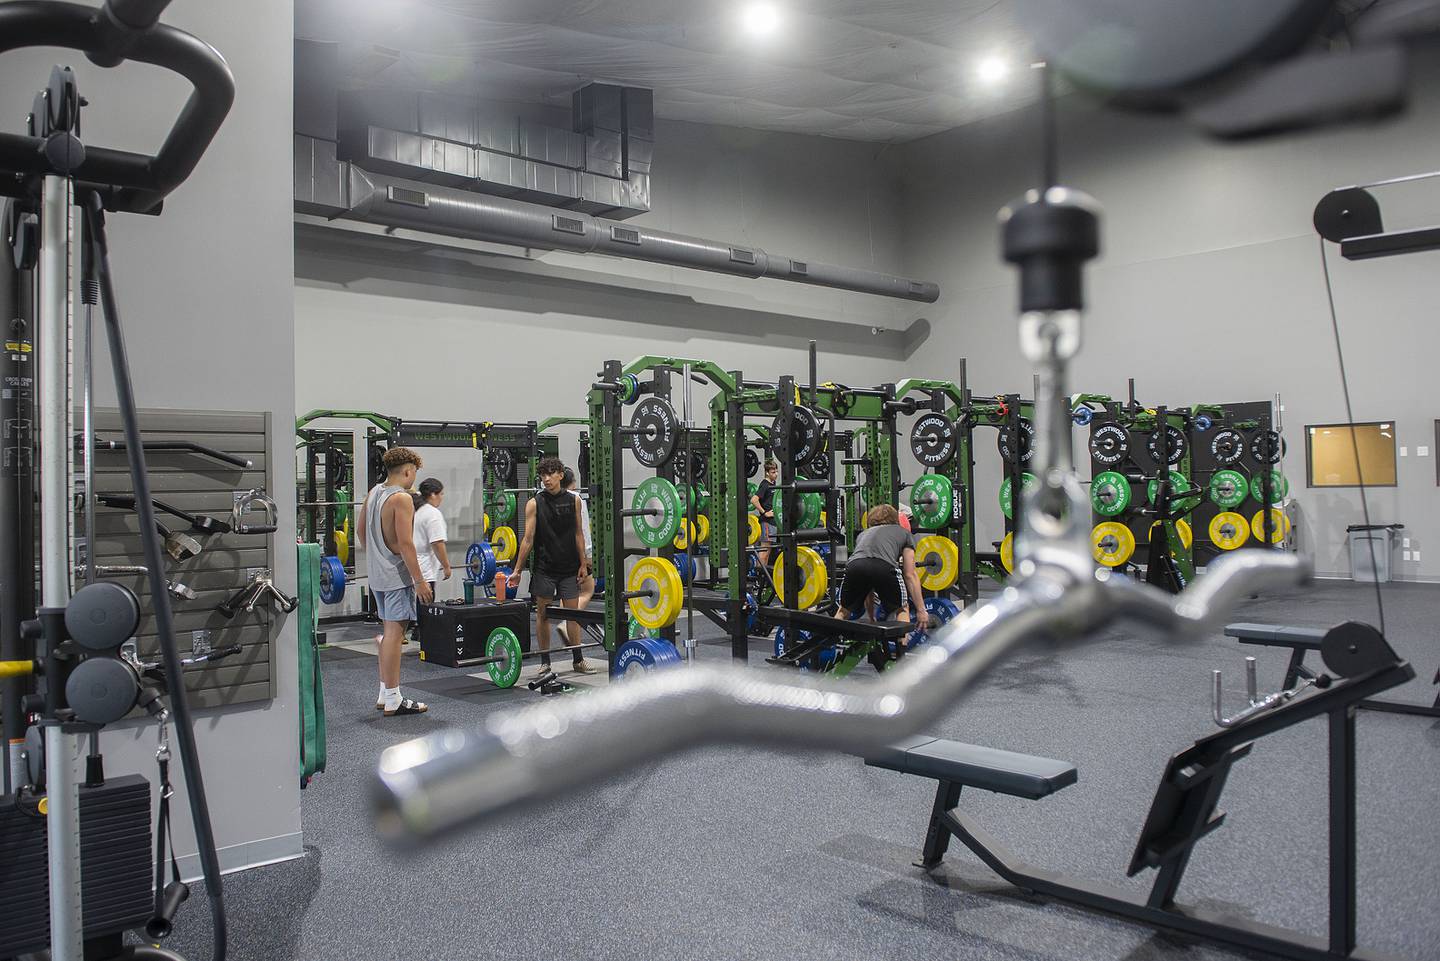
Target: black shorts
(554, 587)
(870, 574)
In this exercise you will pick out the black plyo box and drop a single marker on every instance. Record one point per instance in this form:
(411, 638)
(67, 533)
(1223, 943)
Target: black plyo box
(451, 634)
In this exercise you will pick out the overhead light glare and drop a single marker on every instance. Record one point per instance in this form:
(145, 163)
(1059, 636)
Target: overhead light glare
(992, 70)
(760, 19)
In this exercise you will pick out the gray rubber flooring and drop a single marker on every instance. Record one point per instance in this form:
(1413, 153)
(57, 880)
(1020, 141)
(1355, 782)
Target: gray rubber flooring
(735, 853)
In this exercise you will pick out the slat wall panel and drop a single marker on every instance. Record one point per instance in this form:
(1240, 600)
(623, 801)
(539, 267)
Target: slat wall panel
(197, 484)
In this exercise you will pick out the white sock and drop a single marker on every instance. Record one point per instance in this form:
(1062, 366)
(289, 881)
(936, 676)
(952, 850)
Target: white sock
(391, 697)
(381, 696)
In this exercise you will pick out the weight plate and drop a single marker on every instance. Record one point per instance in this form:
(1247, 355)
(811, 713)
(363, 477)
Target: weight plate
(752, 489)
(1267, 447)
(702, 500)
(629, 388)
(1007, 499)
(1187, 536)
(1109, 493)
(332, 580)
(661, 579)
(811, 507)
(501, 464)
(931, 499)
(504, 543)
(782, 644)
(1178, 482)
(481, 563)
(342, 509)
(1279, 487)
(752, 462)
(654, 432)
(686, 565)
(1027, 441)
(1203, 422)
(1279, 525)
(1175, 442)
(698, 466)
(1227, 446)
(1353, 648)
(503, 643)
(933, 440)
(702, 530)
(942, 611)
(1112, 543)
(1007, 553)
(1109, 444)
(1227, 489)
(636, 630)
(818, 467)
(813, 577)
(342, 547)
(656, 494)
(1228, 530)
(502, 505)
(642, 654)
(937, 561)
(806, 438)
(684, 536)
(377, 464)
(754, 532)
(1082, 416)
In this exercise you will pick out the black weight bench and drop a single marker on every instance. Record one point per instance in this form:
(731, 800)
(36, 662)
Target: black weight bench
(957, 765)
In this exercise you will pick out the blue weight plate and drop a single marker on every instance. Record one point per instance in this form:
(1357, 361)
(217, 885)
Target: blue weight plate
(480, 563)
(827, 655)
(332, 580)
(641, 654)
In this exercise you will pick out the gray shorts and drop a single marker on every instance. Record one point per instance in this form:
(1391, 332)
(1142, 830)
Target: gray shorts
(563, 588)
(397, 605)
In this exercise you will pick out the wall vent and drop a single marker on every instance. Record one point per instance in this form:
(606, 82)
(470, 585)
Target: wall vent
(799, 267)
(568, 225)
(740, 255)
(404, 195)
(625, 235)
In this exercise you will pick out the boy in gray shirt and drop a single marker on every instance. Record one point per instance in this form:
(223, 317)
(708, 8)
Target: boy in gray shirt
(883, 563)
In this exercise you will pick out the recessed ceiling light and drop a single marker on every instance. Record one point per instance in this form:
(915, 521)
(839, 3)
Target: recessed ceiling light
(760, 19)
(992, 70)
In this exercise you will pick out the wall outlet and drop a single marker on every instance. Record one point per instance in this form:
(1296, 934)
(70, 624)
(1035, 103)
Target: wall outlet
(1404, 452)
(1422, 452)
(1405, 555)
(1415, 556)
(1404, 541)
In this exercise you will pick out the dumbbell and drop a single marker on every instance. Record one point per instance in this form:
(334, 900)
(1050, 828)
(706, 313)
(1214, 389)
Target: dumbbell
(542, 679)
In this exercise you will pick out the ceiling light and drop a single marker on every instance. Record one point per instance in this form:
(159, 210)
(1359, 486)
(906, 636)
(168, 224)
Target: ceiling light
(992, 70)
(760, 19)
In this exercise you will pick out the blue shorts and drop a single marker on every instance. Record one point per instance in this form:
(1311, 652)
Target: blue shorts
(397, 605)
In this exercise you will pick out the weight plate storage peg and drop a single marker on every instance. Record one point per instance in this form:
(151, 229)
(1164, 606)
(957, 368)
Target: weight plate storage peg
(1227, 446)
(1227, 489)
(654, 432)
(1279, 487)
(502, 464)
(1178, 482)
(1007, 499)
(813, 577)
(640, 655)
(1267, 447)
(1109, 444)
(659, 495)
(937, 561)
(1279, 525)
(1112, 543)
(1027, 442)
(1182, 529)
(504, 543)
(481, 563)
(332, 580)
(1175, 442)
(1007, 553)
(931, 500)
(1109, 493)
(503, 643)
(933, 440)
(660, 606)
(1228, 530)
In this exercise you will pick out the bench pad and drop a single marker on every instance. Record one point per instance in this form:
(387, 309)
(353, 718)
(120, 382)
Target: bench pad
(1277, 635)
(970, 765)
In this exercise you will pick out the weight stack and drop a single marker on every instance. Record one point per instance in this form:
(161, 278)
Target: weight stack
(453, 633)
(116, 870)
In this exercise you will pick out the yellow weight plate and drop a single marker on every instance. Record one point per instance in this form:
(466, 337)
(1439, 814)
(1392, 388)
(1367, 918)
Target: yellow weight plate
(682, 539)
(659, 607)
(754, 529)
(1279, 525)
(486, 521)
(813, 577)
(1187, 536)
(937, 561)
(503, 541)
(1007, 553)
(342, 547)
(1112, 543)
(1228, 530)
(702, 529)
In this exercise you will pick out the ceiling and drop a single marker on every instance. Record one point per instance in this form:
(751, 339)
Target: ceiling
(874, 70)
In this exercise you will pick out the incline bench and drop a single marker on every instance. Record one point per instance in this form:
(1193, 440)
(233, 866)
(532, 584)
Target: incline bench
(1303, 640)
(956, 765)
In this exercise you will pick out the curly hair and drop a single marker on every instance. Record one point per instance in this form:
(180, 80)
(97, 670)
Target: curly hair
(882, 514)
(397, 457)
(550, 465)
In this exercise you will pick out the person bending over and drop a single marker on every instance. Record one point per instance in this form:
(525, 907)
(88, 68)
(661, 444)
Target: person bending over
(883, 562)
(394, 569)
(431, 533)
(553, 530)
(763, 501)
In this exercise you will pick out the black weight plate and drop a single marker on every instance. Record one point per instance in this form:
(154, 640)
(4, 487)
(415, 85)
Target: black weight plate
(698, 466)
(1353, 648)
(501, 463)
(377, 465)
(818, 467)
(932, 440)
(1027, 441)
(752, 462)
(1267, 446)
(806, 438)
(1109, 444)
(1176, 444)
(1227, 446)
(655, 432)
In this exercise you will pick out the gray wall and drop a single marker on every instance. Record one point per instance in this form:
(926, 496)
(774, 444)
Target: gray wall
(1210, 287)
(206, 294)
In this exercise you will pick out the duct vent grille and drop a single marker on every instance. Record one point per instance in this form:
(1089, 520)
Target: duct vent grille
(568, 225)
(799, 267)
(739, 255)
(917, 288)
(625, 235)
(404, 195)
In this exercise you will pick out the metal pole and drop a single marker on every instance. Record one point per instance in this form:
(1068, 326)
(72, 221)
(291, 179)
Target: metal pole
(53, 338)
(691, 509)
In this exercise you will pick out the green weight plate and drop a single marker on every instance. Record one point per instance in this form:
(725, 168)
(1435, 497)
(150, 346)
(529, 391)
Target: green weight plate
(752, 488)
(1178, 482)
(1007, 502)
(930, 501)
(503, 643)
(1109, 493)
(702, 500)
(342, 509)
(811, 505)
(629, 388)
(636, 629)
(1279, 487)
(657, 493)
(1227, 489)
(501, 507)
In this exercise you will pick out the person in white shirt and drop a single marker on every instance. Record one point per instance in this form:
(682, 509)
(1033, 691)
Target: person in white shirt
(431, 533)
(587, 586)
